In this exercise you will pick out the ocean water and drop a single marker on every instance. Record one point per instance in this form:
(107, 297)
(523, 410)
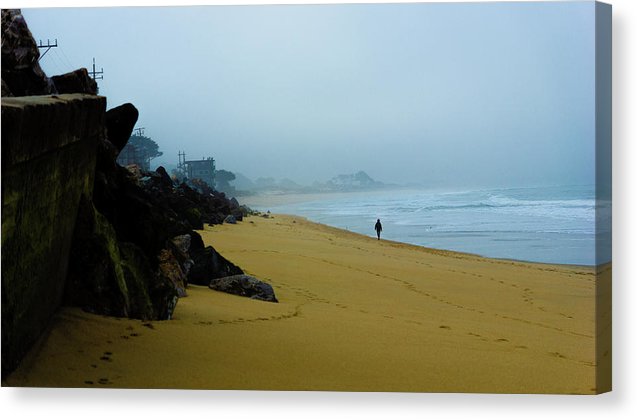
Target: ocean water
(563, 225)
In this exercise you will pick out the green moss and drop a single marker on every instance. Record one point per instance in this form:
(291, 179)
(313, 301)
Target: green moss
(105, 230)
(137, 274)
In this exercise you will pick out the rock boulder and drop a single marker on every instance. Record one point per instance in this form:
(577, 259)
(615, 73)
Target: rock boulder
(21, 72)
(209, 265)
(244, 285)
(77, 81)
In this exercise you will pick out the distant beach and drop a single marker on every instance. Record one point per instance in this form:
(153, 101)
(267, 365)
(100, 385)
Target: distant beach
(554, 225)
(354, 314)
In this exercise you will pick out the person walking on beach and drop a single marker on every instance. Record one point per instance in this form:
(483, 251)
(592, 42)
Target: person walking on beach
(379, 228)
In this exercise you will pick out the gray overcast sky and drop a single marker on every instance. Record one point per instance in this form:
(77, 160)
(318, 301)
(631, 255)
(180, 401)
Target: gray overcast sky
(450, 95)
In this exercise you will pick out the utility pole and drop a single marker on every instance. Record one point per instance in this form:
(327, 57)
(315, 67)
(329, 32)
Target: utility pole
(139, 131)
(96, 74)
(48, 46)
(182, 163)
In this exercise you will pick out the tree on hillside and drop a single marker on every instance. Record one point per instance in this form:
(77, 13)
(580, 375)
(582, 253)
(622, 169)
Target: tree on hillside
(223, 179)
(149, 149)
(139, 150)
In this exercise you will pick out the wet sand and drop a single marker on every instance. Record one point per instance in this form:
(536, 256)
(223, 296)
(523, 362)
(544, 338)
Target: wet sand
(355, 314)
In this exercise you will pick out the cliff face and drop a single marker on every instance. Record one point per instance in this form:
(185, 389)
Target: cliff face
(48, 163)
(21, 72)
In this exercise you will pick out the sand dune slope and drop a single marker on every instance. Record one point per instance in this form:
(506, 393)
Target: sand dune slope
(355, 314)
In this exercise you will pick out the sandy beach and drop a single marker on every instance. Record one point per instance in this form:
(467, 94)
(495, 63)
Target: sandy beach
(354, 314)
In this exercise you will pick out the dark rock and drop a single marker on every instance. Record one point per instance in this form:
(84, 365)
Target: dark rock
(5, 90)
(142, 229)
(182, 242)
(21, 71)
(209, 264)
(96, 281)
(179, 247)
(77, 81)
(137, 215)
(120, 122)
(170, 269)
(151, 295)
(244, 285)
(115, 278)
(166, 180)
(230, 219)
(193, 216)
(196, 242)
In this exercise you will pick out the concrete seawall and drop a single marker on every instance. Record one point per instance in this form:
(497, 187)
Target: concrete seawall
(49, 146)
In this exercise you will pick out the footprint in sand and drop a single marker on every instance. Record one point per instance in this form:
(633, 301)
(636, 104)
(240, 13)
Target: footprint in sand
(501, 340)
(445, 327)
(557, 354)
(106, 356)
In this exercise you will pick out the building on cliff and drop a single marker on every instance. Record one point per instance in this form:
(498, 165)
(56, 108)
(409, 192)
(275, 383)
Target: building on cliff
(203, 169)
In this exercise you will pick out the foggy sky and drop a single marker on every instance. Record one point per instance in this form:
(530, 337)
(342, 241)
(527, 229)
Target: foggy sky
(448, 95)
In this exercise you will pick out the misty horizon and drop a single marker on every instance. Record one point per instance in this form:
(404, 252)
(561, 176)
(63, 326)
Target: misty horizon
(440, 95)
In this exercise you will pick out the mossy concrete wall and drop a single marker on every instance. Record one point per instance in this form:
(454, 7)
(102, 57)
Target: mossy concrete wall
(49, 146)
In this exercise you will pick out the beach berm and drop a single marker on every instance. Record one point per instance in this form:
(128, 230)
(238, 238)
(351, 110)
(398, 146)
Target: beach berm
(354, 314)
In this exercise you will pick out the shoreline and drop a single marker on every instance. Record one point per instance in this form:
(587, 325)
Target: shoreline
(284, 198)
(437, 223)
(354, 314)
(450, 252)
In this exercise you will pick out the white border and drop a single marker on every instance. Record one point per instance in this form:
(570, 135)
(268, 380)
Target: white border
(621, 403)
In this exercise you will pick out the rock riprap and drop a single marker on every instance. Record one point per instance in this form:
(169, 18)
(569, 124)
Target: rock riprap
(244, 285)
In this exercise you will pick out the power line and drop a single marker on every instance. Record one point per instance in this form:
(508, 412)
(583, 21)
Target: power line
(66, 58)
(56, 64)
(96, 75)
(48, 46)
(59, 58)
